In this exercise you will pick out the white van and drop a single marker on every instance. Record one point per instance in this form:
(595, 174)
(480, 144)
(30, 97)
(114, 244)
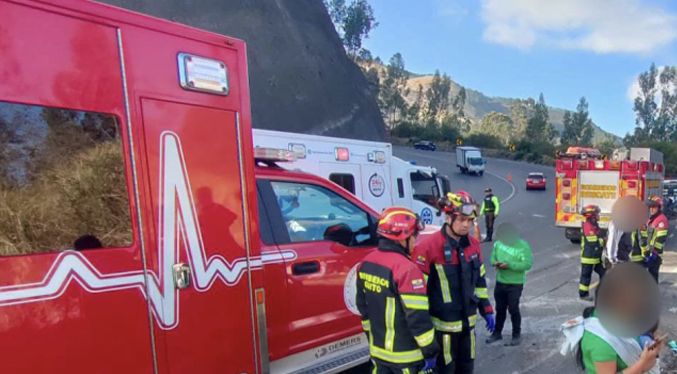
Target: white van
(366, 169)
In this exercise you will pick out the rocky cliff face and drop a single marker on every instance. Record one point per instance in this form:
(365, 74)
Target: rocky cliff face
(300, 77)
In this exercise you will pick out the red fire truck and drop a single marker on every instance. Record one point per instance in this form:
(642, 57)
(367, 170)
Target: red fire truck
(585, 176)
(139, 234)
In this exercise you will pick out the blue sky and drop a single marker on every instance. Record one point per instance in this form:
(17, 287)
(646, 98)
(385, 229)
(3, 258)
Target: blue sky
(519, 48)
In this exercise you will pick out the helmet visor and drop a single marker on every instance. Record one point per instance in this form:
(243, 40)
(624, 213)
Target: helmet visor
(466, 210)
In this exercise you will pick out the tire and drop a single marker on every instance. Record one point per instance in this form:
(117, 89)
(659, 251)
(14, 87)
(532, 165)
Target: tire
(481, 173)
(575, 241)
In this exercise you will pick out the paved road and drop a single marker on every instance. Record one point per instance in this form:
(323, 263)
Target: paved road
(550, 295)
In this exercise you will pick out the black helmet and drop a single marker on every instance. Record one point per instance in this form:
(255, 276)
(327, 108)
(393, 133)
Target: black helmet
(488, 189)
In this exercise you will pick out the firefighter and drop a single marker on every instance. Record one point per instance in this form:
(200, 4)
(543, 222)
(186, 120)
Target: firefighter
(491, 207)
(392, 299)
(592, 244)
(452, 261)
(654, 234)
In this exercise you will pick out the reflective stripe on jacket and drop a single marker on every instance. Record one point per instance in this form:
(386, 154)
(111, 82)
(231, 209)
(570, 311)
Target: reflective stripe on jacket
(456, 284)
(392, 299)
(656, 233)
(592, 243)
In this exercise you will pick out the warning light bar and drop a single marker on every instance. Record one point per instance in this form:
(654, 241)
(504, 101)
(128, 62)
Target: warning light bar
(274, 154)
(341, 154)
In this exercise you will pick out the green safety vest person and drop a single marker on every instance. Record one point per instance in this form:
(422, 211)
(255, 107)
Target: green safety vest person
(392, 299)
(491, 208)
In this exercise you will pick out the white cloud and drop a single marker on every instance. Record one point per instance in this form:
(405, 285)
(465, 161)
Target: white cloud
(601, 26)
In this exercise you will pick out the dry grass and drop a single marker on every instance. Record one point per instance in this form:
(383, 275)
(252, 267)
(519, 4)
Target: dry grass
(85, 195)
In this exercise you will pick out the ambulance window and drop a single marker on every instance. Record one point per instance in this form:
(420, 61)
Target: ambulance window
(347, 181)
(424, 188)
(62, 181)
(400, 187)
(314, 213)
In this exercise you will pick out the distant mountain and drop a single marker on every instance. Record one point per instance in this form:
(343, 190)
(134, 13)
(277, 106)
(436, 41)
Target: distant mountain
(478, 105)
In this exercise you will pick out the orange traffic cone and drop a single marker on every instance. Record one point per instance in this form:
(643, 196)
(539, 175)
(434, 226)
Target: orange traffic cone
(509, 177)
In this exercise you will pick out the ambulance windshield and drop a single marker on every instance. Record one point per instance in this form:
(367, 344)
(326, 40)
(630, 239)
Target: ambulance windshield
(425, 188)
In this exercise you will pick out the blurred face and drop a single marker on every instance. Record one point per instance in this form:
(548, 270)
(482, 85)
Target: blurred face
(462, 225)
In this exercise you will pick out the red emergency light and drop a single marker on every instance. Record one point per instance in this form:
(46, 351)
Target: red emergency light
(615, 165)
(566, 182)
(341, 154)
(583, 164)
(632, 184)
(566, 196)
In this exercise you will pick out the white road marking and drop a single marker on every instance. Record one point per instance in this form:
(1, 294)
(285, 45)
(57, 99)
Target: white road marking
(506, 181)
(539, 216)
(487, 172)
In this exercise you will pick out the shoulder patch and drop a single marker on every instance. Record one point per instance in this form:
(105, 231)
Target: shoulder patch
(420, 259)
(417, 284)
(661, 225)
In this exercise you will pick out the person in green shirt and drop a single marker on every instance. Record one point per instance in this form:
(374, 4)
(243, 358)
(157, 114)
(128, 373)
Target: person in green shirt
(596, 356)
(512, 259)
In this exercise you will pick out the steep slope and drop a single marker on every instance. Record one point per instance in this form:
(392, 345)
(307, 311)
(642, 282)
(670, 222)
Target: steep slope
(300, 77)
(478, 105)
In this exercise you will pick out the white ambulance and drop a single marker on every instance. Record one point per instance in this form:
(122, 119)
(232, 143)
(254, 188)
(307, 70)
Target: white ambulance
(366, 169)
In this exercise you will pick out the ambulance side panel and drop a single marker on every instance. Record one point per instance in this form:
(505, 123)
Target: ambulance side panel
(178, 297)
(63, 311)
(200, 195)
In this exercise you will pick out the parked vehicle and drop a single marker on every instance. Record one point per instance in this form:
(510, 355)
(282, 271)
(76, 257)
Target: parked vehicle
(425, 145)
(536, 181)
(584, 178)
(206, 258)
(364, 168)
(469, 160)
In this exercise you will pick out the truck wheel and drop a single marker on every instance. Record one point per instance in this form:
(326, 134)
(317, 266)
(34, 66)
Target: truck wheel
(481, 173)
(575, 241)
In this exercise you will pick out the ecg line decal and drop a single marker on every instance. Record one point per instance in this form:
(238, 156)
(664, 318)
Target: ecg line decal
(178, 224)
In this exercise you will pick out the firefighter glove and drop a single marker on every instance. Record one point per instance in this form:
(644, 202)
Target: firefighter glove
(491, 323)
(430, 364)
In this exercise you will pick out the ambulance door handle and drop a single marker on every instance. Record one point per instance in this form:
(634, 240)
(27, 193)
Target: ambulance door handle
(306, 268)
(181, 273)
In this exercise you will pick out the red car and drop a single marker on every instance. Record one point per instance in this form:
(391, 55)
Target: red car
(536, 181)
